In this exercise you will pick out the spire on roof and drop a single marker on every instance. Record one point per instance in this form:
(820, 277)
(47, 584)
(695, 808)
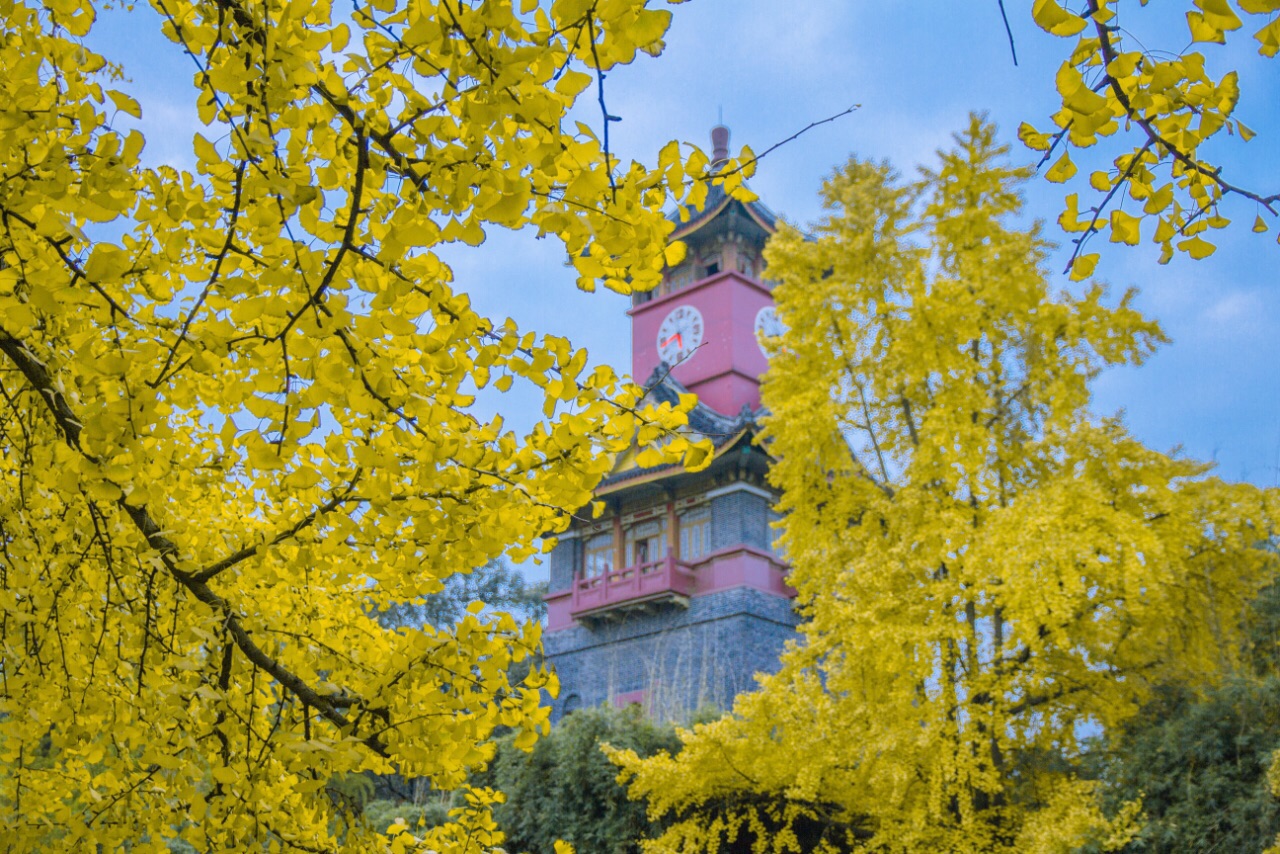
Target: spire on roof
(719, 144)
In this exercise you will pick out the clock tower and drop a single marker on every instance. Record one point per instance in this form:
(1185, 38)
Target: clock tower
(702, 321)
(676, 597)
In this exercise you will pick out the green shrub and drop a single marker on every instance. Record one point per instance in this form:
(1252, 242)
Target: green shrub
(567, 789)
(1199, 759)
(433, 812)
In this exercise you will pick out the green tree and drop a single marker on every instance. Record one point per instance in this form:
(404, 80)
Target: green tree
(1198, 758)
(567, 789)
(988, 571)
(497, 584)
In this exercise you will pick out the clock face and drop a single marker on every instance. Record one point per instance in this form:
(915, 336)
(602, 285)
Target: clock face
(767, 326)
(680, 334)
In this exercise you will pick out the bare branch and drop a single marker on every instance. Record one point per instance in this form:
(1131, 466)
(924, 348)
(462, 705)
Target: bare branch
(1004, 17)
(792, 138)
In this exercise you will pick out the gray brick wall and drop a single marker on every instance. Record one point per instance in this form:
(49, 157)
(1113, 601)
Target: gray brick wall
(683, 658)
(564, 560)
(739, 518)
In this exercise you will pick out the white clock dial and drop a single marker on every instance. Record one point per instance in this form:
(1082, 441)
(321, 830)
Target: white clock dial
(680, 334)
(767, 326)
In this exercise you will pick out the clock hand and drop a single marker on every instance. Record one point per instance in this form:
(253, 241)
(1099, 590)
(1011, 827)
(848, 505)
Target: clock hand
(677, 338)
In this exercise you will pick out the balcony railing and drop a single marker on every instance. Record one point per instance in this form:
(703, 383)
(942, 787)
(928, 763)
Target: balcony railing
(643, 582)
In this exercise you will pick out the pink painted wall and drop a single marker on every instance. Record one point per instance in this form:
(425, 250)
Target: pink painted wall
(621, 701)
(727, 393)
(558, 605)
(725, 370)
(742, 566)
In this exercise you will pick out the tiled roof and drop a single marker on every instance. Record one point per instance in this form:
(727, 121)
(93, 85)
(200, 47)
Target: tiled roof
(717, 200)
(723, 430)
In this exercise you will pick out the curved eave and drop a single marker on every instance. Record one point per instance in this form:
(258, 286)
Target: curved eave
(661, 472)
(758, 214)
(701, 219)
(770, 224)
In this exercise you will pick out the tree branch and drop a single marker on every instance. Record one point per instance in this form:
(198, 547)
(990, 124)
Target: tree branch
(38, 375)
(1108, 52)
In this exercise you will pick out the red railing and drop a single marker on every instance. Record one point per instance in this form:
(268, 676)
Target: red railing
(632, 583)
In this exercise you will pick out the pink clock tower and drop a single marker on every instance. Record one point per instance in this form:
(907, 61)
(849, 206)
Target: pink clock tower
(676, 596)
(703, 319)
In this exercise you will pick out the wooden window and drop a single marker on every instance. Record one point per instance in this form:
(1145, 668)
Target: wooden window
(597, 557)
(646, 542)
(695, 533)
(679, 277)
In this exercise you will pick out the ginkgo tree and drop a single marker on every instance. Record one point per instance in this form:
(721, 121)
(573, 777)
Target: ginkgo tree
(987, 571)
(234, 404)
(1165, 110)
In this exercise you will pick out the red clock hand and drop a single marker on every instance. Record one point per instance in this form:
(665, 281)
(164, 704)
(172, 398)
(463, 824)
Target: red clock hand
(677, 338)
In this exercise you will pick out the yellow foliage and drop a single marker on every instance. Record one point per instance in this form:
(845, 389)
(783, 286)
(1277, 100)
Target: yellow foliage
(986, 569)
(237, 421)
(1161, 107)
(1055, 19)
(1071, 816)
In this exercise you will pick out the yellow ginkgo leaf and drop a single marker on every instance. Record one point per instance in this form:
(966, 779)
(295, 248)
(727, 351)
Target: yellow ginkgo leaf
(1070, 219)
(1197, 247)
(1052, 18)
(1203, 31)
(1062, 170)
(1082, 268)
(125, 103)
(205, 150)
(674, 253)
(1032, 138)
(698, 456)
(1269, 38)
(1159, 200)
(1259, 225)
(1124, 228)
(1219, 14)
(339, 38)
(1124, 64)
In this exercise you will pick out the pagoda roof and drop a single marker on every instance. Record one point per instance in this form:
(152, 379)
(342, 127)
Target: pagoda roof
(717, 202)
(724, 431)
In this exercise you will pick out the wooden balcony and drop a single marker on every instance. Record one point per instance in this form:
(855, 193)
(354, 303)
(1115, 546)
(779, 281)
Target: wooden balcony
(619, 590)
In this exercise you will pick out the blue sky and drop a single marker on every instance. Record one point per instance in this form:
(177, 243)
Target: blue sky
(917, 70)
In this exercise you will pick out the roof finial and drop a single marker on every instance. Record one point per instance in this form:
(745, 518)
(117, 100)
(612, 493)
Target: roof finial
(719, 142)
